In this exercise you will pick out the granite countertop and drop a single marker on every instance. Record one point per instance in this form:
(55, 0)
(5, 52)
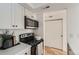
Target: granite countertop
(15, 50)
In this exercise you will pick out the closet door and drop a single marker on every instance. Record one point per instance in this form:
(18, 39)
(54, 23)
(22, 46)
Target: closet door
(53, 33)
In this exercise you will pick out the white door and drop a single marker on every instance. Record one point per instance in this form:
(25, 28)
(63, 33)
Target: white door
(53, 33)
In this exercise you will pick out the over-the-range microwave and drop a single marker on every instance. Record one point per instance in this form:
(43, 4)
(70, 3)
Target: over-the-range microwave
(30, 23)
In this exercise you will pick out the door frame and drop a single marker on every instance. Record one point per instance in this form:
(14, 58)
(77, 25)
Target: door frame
(63, 14)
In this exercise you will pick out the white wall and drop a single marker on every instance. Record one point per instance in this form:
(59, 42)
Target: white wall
(73, 27)
(39, 31)
(30, 14)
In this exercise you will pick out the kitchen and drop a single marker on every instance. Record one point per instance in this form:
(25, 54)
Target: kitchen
(15, 30)
(38, 28)
(44, 29)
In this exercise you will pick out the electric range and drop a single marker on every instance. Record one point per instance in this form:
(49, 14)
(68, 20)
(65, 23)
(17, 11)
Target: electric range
(29, 38)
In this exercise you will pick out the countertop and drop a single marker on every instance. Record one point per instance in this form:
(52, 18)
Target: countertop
(15, 50)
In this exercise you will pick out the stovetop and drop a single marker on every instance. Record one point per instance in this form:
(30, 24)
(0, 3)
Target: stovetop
(34, 42)
(30, 39)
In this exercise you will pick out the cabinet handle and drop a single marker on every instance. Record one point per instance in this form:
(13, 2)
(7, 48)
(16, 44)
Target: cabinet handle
(16, 25)
(50, 16)
(25, 53)
(13, 25)
(61, 35)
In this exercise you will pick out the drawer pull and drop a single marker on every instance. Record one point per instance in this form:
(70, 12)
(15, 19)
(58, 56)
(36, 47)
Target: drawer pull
(13, 25)
(50, 16)
(16, 25)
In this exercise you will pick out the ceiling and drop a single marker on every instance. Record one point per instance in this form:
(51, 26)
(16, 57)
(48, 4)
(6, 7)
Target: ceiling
(38, 7)
(42, 7)
(35, 5)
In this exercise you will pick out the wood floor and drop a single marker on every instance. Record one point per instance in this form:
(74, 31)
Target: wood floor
(53, 51)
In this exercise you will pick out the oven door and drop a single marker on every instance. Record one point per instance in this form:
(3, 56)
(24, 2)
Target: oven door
(34, 50)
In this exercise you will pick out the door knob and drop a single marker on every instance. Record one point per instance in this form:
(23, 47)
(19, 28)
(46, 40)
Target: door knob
(61, 35)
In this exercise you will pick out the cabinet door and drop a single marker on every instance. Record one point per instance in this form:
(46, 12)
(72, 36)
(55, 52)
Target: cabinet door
(24, 52)
(40, 48)
(17, 16)
(5, 15)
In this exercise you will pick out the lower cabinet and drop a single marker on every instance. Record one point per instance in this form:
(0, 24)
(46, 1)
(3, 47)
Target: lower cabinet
(40, 48)
(24, 52)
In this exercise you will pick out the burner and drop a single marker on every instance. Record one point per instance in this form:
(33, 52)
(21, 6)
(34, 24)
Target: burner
(34, 42)
(29, 39)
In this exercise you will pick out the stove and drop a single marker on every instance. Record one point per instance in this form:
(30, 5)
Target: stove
(29, 38)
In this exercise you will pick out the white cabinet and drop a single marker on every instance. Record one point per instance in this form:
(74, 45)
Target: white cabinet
(40, 48)
(24, 52)
(5, 15)
(17, 16)
(11, 16)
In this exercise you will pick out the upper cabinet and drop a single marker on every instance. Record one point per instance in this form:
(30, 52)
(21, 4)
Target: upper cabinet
(11, 16)
(17, 16)
(5, 16)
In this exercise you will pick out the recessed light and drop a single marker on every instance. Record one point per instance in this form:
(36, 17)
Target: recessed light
(46, 7)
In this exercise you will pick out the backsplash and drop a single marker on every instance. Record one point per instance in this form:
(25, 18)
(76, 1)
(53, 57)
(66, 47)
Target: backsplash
(17, 32)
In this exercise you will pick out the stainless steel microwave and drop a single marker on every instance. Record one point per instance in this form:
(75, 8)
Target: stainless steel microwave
(30, 23)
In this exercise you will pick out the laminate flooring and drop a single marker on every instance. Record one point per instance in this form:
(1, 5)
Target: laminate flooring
(53, 51)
